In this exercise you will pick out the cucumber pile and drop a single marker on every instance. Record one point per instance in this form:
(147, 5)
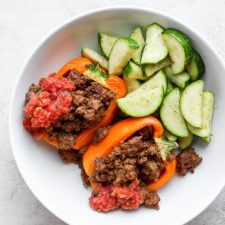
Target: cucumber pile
(162, 71)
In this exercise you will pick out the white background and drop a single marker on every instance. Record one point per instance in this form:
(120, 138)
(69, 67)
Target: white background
(23, 23)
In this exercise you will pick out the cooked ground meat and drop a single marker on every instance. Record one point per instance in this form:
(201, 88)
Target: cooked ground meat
(187, 161)
(65, 140)
(132, 159)
(101, 133)
(70, 156)
(151, 199)
(88, 103)
(171, 156)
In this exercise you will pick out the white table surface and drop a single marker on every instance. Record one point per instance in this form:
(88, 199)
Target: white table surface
(23, 23)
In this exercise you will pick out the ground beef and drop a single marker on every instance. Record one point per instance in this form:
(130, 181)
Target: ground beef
(131, 159)
(171, 156)
(66, 140)
(69, 156)
(100, 134)
(151, 199)
(90, 101)
(187, 161)
(65, 107)
(146, 133)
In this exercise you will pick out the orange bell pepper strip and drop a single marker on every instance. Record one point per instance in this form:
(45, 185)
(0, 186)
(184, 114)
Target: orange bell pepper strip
(79, 64)
(120, 132)
(170, 170)
(114, 83)
(117, 133)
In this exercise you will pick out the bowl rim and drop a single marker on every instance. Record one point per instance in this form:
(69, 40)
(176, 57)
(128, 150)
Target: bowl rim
(52, 33)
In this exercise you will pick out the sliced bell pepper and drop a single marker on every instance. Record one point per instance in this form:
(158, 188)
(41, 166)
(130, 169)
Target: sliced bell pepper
(114, 83)
(120, 132)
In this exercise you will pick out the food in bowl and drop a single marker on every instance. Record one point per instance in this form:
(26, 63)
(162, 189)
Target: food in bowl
(127, 118)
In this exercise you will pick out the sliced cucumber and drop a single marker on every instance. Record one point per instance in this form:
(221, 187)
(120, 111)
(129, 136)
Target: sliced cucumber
(179, 47)
(165, 146)
(191, 103)
(142, 102)
(181, 80)
(196, 68)
(138, 37)
(121, 53)
(106, 43)
(155, 49)
(95, 57)
(207, 139)
(170, 136)
(185, 142)
(94, 72)
(158, 80)
(170, 86)
(132, 84)
(149, 70)
(171, 115)
(207, 115)
(133, 71)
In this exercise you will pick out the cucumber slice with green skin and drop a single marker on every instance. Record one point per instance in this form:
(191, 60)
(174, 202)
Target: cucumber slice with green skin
(155, 49)
(158, 80)
(151, 69)
(133, 71)
(191, 103)
(106, 43)
(121, 53)
(179, 47)
(141, 102)
(207, 116)
(181, 80)
(185, 142)
(207, 139)
(95, 57)
(132, 84)
(170, 136)
(138, 37)
(171, 115)
(170, 86)
(196, 68)
(165, 146)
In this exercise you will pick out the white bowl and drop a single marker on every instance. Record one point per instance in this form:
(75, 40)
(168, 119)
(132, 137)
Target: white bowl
(58, 186)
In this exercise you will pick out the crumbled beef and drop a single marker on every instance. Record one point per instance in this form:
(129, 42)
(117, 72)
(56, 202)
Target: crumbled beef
(131, 159)
(187, 161)
(146, 133)
(84, 177)
(151, 199)
(66, 140)
(72, 155)
(151, 170)
(80, 81)
(171, 156)
(100, 134)
(69, 156)
(90, 100)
